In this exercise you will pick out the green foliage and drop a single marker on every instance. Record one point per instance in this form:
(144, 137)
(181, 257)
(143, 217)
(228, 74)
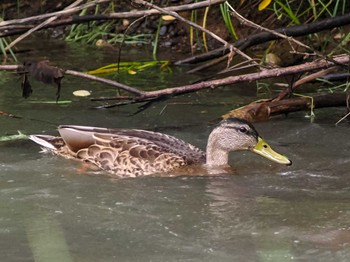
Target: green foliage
(3, 45)
(342, 46)
(193, 31)
(284, 9)
(225, 12)
(90, 33)
(302, 11)
(335, 87)
(130, 67)
(306, 11)
(263, 88)
(156, 39)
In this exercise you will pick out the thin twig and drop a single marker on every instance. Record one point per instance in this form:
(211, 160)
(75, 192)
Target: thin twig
(243, 20)
(25, 22)
(268, 73)
(303, 81)
(177, 16)
(342, 119)
(48, 15)
(48, 21)
(127, 88)
(283, 36)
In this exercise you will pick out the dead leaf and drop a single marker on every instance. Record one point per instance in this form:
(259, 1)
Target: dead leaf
(44, 72)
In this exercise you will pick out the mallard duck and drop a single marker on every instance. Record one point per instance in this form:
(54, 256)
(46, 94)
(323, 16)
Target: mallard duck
(132, 152)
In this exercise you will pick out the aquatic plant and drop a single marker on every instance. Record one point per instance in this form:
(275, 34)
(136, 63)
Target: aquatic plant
(3, 45)
(130, 67)
(92, 32)
(225, 12)
(306, 10)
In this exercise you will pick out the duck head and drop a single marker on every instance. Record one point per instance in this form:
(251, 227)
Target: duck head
(235, 134)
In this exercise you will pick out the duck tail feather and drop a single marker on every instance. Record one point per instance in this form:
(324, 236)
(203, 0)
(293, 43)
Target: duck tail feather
(43, 140)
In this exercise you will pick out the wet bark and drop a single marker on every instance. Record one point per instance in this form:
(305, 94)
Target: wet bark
(263, 110)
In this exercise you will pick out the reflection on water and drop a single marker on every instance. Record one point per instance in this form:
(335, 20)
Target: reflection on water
(266, 212)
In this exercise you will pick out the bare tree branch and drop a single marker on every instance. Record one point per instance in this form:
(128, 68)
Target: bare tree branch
(126, 88)
(45, 16)
(252, 24)
(18, 26)
(177, 16)
(268, 73)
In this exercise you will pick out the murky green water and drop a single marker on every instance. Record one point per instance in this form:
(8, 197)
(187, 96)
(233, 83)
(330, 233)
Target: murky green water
(50, 211)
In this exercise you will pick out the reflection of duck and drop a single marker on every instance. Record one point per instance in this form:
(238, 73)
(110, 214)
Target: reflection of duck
(132, 152)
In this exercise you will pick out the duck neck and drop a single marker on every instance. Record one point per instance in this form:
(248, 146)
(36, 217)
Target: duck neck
(215, 156)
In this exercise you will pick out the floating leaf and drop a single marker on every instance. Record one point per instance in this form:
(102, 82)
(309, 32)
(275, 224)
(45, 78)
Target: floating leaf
(81, 93)
(13, 137)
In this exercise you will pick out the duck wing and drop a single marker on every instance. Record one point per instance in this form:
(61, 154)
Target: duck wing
(123, 152)
(78, 137)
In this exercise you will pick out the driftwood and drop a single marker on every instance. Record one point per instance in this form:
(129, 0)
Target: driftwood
(263, 110)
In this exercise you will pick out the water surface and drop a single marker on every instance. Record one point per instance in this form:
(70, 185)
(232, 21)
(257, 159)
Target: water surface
(52, 211)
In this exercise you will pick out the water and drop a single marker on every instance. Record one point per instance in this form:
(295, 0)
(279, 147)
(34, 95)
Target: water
(52, 211)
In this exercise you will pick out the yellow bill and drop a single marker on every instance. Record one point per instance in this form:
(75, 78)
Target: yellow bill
(262, 148)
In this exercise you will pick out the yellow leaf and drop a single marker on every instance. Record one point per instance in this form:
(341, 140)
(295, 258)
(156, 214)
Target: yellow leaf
(263, 4)
(101, 42)
(168, 18)
(81, 93)
(131, 72)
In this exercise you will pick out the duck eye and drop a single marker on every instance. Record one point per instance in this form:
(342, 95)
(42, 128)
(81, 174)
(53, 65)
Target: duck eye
(242, 129)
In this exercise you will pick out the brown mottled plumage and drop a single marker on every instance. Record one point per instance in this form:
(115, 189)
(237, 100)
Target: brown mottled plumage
(132, 153)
